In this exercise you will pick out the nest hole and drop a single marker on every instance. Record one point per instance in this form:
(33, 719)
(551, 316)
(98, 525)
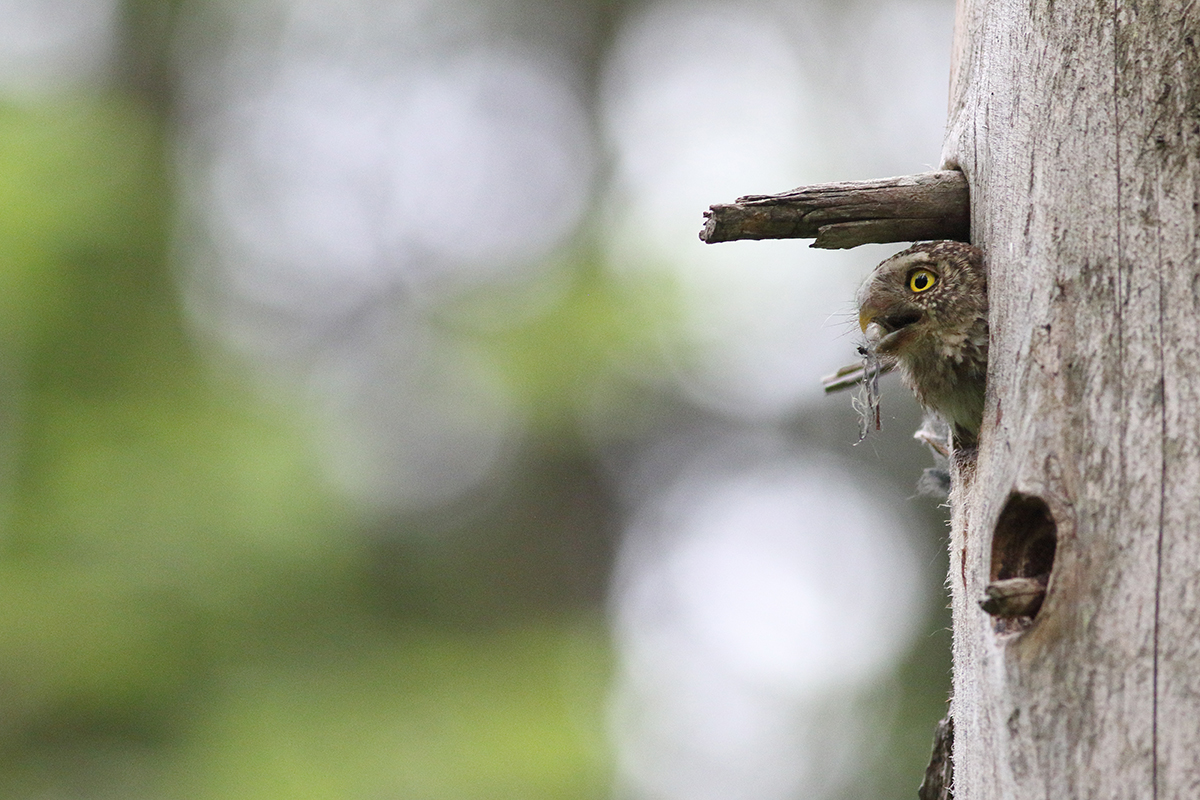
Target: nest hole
(1023, 547)
(1024, 540)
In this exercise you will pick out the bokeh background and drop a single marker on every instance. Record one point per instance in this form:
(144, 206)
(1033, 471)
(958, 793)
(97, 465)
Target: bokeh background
(374, 425)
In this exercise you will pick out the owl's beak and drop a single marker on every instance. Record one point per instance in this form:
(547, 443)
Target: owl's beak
(886, 334)
(890, 323)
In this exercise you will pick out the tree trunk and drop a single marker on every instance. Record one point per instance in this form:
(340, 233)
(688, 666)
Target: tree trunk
(1077, 124)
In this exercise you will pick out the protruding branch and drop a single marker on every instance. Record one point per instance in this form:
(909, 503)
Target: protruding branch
(932, 205)
(1015, 597)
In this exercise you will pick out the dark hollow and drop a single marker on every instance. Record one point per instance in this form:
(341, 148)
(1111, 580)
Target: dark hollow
(1025, 538)
(1024, 541)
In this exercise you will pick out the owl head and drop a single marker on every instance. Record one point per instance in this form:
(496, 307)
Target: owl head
(924, 301)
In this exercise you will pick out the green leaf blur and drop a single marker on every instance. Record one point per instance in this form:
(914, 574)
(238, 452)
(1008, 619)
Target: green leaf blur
(188, 610)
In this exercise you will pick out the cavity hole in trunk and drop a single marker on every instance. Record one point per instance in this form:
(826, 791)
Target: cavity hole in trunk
(1023, 546)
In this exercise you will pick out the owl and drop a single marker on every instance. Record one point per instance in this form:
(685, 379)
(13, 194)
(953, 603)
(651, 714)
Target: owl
(924, 311)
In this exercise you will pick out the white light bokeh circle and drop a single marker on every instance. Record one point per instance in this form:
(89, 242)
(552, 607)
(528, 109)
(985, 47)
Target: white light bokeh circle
(341, 183)
(698, 98)
(695, 734)
(55, 44)
(294, 190)
(493, 162)
(751, 590)
(787, 572)
(704, 103)
(332, 179)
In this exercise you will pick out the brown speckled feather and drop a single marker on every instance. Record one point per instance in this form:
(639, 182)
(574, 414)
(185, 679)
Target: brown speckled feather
(925, 308)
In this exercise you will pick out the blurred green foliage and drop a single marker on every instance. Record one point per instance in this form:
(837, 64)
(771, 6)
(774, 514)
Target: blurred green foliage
(187, 611)
(431, 713)
(599, 327)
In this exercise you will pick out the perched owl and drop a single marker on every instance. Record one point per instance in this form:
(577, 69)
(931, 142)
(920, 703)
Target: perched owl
(925, 311)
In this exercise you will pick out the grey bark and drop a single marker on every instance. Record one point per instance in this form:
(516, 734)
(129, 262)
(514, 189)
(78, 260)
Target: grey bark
(932, 205)
(938, 783)
(1077, 124)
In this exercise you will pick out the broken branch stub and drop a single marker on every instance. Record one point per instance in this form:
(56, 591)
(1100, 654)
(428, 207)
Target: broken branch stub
(932, 205)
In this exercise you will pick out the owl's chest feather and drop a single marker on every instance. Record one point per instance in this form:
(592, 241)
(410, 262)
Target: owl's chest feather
(948, 373)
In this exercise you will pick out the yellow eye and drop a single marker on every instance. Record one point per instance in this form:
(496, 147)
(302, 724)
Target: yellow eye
(921, 280)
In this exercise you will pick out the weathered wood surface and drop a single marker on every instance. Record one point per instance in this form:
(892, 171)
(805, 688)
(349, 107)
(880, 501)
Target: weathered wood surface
(1077, 125)
(938, 783)
(932, 205)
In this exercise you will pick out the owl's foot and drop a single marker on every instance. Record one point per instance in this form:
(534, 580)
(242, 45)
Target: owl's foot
(934, 439)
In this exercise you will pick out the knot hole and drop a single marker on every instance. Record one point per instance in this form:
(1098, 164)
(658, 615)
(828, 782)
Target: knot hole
(1023, 546)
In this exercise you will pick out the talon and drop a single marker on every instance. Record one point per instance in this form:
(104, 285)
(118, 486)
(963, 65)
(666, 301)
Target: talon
(933, 442)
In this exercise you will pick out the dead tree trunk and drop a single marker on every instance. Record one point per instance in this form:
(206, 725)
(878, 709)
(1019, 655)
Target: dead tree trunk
(1077, 124)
